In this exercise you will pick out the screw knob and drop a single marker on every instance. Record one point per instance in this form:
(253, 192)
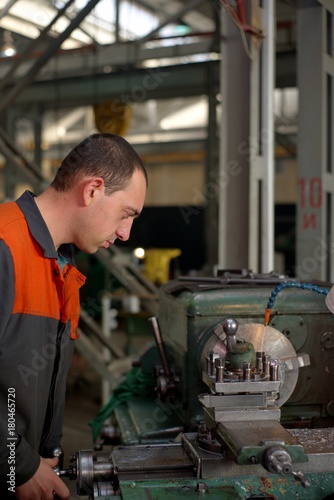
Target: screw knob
(230, 327)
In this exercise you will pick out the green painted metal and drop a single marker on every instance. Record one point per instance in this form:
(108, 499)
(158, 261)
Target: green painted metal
(187, 320)
(143, 420)
(242, 487)
(248, 441)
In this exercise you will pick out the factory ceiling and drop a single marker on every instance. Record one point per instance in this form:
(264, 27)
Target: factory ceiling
(161, 57)
(106, 23)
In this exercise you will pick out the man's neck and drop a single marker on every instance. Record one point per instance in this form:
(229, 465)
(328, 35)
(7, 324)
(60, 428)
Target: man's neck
(54, 209)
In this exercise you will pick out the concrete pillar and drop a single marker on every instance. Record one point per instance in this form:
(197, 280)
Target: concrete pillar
(315, 72)
(246, 223)
(234, 160)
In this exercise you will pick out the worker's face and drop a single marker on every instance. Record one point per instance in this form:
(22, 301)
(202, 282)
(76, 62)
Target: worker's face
(110, 217)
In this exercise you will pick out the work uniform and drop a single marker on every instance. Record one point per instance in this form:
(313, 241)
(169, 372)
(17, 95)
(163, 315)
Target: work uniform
(39, 312)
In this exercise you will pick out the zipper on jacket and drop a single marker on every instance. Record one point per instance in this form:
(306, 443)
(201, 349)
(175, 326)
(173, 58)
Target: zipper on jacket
(49, 414)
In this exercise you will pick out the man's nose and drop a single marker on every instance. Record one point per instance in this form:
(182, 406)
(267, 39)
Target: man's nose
(123, 232)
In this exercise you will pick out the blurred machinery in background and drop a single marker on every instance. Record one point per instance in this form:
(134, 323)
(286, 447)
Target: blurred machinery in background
(243, 406)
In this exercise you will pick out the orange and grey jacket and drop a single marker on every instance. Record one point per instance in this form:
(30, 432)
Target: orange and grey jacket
(39, 312)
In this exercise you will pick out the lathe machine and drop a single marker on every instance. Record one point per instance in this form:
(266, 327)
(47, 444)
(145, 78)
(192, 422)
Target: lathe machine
(243, 406)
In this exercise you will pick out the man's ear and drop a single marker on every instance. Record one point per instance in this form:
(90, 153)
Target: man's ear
(92, 188)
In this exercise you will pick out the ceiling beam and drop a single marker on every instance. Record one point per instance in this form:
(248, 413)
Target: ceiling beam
(91, 61)
(132, 86)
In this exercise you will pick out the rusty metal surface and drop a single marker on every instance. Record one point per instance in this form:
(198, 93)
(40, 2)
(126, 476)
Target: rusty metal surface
(315, 440)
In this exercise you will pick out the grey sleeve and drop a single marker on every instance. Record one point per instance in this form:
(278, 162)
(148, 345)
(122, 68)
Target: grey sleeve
(7, 287)
(17, 458)
(23, 457)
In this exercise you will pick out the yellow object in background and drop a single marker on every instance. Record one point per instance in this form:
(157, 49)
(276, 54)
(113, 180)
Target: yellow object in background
(112, 117)
(157, 263)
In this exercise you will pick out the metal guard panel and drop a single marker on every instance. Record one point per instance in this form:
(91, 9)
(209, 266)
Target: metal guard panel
(246, 300)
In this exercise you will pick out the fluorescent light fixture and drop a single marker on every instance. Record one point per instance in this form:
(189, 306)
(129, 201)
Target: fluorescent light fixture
(7, 48)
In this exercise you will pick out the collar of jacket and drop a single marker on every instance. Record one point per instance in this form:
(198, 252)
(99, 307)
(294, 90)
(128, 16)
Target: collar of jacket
(39, 229)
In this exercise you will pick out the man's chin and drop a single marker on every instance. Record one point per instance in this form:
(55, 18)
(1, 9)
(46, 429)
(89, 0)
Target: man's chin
(89, 250)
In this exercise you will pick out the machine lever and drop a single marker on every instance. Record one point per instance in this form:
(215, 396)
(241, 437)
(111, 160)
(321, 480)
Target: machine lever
(158, 338)
(300, 476)
(71, 473)
(57, 452)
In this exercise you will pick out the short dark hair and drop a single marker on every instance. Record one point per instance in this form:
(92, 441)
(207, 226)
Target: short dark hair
(104, 155)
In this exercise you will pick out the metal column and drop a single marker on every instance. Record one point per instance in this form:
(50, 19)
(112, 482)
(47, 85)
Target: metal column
(246, 226)
(211, 185)
(315, 72)
(261, 142)
(233, 234)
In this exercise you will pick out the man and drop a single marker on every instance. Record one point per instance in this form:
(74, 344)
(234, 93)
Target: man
(97, 192)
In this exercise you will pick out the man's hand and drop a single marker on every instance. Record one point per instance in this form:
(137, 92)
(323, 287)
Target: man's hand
(44, 484)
